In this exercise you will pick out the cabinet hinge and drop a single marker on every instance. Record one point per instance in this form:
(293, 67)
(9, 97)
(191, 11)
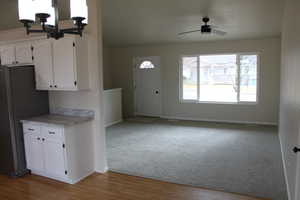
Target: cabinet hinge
(75, 83)
(64, 146)
(32, 57)
(73, 44)
(66, 172)
(32, 48)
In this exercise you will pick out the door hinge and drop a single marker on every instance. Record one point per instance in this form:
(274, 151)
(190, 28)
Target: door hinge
(32, 48)
(73, 44)
(75, 83)
(64, 146)
(66, 172)
(32, 57)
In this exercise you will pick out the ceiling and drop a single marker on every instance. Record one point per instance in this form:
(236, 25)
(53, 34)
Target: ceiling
(137, 22)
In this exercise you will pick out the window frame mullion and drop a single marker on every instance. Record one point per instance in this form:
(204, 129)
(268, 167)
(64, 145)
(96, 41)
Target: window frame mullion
(238, 77)
(198, 78)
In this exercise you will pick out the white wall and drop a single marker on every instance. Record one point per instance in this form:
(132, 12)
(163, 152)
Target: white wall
(265, 112)
(290, 95)
(107, 69)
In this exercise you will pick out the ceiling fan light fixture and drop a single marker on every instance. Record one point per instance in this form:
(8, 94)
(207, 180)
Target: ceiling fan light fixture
(205, 29)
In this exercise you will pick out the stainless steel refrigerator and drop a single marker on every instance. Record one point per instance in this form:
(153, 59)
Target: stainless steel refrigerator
(18, 100)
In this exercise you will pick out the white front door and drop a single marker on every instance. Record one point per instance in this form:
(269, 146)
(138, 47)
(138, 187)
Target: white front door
(147, 83)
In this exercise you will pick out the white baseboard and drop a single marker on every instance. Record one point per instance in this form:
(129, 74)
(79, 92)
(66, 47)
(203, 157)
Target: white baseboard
(83, 177)
(43, 174)
(221, 121)
(102, 172)
(145, 115)
(113, 123)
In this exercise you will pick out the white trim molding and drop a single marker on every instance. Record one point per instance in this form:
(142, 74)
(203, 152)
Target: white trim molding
(113, 123)
(219, 121)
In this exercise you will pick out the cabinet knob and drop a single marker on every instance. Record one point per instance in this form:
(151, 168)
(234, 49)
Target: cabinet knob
(51, 86)
(38, 138)
(55, 86)
(43, 139)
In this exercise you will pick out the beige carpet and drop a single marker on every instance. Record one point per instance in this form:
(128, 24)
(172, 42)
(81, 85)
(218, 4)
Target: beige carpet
(234, 158)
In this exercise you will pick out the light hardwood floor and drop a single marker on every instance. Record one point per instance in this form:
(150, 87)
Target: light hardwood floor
(110, 186)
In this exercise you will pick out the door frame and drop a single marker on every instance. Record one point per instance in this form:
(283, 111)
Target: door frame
(134, 69)
(297, 184)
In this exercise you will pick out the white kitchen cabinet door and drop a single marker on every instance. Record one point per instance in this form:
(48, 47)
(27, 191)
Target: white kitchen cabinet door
(64, 64)
(34, 152)
(7, 54)
(54, 158)
(24, 53)
(42, 59)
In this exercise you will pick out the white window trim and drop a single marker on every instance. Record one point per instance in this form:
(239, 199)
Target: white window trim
(181, 100)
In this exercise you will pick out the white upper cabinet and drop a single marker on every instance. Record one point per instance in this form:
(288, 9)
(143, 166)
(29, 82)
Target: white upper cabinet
(43, 61)
(24, 53)
(62, 64)
(8, 55)
(59, 64)
(19, 53)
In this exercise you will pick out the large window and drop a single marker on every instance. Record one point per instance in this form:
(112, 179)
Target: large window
(231, 78)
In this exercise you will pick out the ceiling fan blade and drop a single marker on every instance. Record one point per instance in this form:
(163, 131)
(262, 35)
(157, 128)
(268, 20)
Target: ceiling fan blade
(187, 32)
(218, 32)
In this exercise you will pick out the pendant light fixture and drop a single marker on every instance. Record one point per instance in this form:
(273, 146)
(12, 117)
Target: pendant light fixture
(45, 12)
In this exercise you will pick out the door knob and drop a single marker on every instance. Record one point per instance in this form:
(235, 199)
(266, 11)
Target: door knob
(296, 150)
(156, 92)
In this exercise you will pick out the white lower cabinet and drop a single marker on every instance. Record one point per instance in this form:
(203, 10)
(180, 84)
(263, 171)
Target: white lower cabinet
(34, 152)
(55, 158)
(51, 151)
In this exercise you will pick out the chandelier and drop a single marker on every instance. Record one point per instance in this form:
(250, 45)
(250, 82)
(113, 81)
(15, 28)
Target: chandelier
(45, 13)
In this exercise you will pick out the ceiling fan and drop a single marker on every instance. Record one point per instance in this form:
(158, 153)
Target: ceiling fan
(206, 29)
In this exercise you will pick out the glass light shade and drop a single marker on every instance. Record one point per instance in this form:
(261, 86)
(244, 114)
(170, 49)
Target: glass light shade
(42, 6)
(26, 10)
(78, 8)
(86, 15)
(51, 19)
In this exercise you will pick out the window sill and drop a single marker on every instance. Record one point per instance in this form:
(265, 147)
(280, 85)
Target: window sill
(219, 103)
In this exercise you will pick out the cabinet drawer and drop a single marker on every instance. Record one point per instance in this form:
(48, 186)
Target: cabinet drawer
(52, 132)
(31, 128)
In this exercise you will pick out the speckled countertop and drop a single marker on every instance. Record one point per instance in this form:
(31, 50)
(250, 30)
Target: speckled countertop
(63, 120)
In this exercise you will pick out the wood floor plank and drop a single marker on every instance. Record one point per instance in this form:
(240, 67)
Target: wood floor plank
(109, 186)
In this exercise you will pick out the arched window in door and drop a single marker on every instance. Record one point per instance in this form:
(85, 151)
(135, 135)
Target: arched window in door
(147, 65)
